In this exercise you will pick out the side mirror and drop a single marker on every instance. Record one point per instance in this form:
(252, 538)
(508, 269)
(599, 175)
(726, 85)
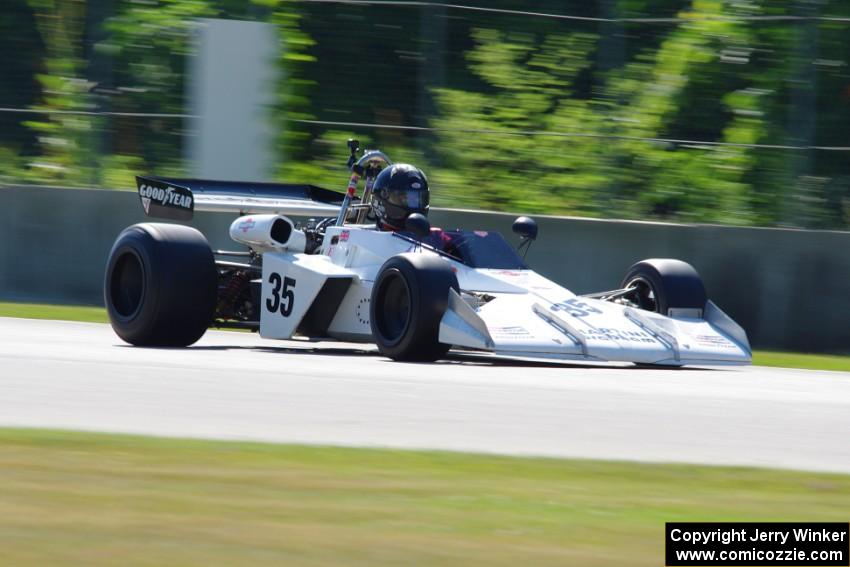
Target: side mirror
(526, 227)
(418, 225)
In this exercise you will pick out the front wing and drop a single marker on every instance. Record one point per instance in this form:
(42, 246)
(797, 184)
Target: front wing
(583, 329)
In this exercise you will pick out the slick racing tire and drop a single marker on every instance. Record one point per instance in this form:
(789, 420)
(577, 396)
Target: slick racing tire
(408, 301)
(664, 284)
(161, 284)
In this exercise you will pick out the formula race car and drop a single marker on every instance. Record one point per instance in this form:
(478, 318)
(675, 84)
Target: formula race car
(354, 272)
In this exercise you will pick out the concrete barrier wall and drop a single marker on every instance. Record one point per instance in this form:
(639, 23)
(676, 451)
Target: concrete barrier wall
(54, 242)
(790, 289)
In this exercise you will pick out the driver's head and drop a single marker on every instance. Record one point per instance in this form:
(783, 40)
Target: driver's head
(399, 190)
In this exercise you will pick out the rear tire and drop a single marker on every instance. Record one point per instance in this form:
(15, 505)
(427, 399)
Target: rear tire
(408, 301)
(665, 284)
(160, 285)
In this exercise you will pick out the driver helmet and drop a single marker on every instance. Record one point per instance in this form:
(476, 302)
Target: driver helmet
(399, 190)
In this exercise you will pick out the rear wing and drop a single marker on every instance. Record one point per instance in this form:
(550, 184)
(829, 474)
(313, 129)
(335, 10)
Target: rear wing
(178, 199)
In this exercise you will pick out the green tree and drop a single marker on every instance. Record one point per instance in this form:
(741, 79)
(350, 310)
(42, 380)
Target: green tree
(530, 87)
(591, 155)
(19, 88)
(64, 137)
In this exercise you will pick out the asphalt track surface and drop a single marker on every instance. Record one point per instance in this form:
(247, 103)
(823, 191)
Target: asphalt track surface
(67, 375)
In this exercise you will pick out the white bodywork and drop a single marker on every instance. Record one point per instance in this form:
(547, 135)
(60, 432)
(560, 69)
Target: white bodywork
(528, 316)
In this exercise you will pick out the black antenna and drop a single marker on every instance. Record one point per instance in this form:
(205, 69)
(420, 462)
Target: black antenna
(526, 228)
(524, 246)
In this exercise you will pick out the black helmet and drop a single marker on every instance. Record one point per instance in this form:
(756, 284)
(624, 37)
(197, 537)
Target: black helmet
(399, 190)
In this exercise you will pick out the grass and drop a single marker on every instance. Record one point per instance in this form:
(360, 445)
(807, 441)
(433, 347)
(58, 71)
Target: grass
(46, 311)
(91, 499)
(807, 361)
(98, 315)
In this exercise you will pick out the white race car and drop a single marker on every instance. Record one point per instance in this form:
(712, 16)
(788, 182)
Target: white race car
(416, 293)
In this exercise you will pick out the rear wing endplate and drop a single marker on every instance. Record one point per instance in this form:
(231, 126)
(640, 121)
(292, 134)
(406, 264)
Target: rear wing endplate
(178, 199)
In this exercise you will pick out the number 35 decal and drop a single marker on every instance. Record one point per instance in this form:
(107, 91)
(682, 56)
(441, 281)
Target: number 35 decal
(281, 299)
(575, 308)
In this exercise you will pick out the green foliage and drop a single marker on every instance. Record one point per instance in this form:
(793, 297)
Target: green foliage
(144, 47)
(529, 83)
(294, 87)
(512, 113)
(588, 158)
(66, 154)
(18, 85)
(595, 107)
(148, 45)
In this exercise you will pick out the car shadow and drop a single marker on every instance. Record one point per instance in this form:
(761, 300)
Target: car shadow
(255, 348)
(486, 360)
(459, 358)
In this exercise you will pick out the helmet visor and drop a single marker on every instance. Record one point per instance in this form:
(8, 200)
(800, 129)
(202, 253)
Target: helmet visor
(411, 198)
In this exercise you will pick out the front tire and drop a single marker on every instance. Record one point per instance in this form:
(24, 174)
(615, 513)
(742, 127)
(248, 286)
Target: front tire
(665, 284)
(408, 301)
(160, 285)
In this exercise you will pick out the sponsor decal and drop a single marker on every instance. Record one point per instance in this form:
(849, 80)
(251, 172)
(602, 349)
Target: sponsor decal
(247, 225)
(510, 332)
(165, 196)
(607, 334)
(713, 340)
(343, 236)
(481, 233)
(361, 311)
(146, 204)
